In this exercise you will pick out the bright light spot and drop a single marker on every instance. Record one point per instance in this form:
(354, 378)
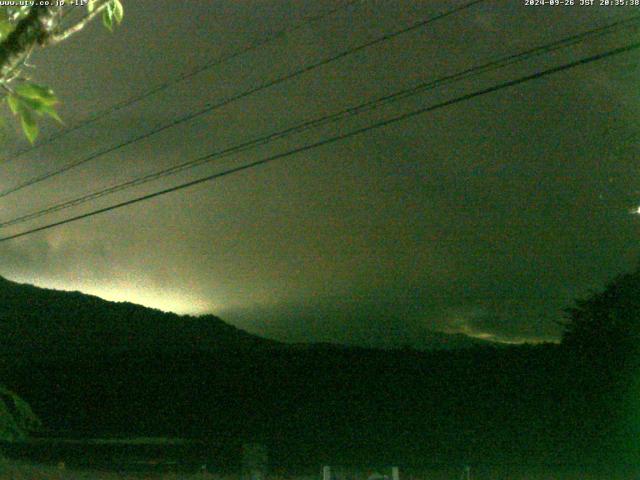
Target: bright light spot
(167, 301)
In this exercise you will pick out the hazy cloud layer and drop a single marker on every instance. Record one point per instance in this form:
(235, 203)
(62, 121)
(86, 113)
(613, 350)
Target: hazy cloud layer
(485, 218)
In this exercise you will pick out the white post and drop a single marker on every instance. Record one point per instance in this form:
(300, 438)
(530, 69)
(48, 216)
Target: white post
(326, 472)
(395, 473)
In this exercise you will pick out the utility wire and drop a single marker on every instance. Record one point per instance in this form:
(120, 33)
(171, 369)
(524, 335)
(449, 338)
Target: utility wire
(336, 138)
(327, 119)
(246, 93)
(272, 37)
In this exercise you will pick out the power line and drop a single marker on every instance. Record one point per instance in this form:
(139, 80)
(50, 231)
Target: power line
(185, 76)
(246, 93)
(324, 120)
(336, 138)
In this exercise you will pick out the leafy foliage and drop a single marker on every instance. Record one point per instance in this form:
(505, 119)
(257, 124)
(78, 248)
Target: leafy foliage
(602, 335)
(609, 321)
(27, 100)
(113, 12)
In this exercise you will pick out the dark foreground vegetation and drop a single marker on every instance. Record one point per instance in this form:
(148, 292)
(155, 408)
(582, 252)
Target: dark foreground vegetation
(24, 471)
(537, 405)
(572, 407)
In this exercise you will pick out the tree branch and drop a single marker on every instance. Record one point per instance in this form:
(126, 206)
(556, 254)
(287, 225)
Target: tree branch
(32, 30)
(59, 36)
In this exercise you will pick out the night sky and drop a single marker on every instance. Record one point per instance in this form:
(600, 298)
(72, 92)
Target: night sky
(486, 218)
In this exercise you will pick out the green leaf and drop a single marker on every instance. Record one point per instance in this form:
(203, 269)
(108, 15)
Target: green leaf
(41, 102)
(118, 11)
(40, 108)
(20, 107)
(29, 104)
(107, 18)
(28, 123)
(14, 103)
(51, 112)
(114, 11)
(37, 92)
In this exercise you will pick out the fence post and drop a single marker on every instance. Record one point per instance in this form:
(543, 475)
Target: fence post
(395, 473)
(326, 472)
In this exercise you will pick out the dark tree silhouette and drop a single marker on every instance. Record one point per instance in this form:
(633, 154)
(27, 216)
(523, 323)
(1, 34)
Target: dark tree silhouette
(607, 322)
(602, 340)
